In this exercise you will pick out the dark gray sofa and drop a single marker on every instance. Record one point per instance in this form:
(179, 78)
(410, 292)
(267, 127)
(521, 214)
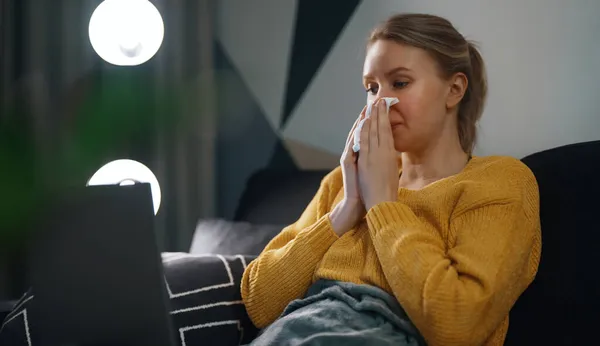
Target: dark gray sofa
(561, 306)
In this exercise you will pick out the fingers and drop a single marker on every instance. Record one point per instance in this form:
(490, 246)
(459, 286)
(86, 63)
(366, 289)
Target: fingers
(350, 138)
(349, 155)
(364, 135)
(383, 124)
(368, 134)
(374, 133)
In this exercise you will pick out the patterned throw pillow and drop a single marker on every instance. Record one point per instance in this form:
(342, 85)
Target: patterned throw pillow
(206, 305)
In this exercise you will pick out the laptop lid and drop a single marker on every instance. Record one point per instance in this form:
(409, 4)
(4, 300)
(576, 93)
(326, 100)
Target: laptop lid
(96, 270)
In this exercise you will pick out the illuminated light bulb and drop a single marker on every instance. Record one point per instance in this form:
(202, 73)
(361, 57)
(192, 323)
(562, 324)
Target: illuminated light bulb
(126, 32)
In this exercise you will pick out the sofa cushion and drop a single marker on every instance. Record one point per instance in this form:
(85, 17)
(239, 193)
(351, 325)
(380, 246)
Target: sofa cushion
(206, 305)
(278, 196)
(231, 238)
(565, 295)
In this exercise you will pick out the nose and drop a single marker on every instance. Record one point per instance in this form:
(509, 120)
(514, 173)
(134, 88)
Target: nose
(380, 98)
(384, 91)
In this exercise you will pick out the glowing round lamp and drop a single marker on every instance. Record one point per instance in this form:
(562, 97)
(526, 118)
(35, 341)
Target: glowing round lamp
(126, 32)
(127, 172)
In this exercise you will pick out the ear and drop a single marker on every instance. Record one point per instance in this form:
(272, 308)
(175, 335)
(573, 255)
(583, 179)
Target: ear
(458, 88)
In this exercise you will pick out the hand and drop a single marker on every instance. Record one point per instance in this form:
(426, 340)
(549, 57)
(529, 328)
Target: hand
(377, 162)
(348, 162)
(351, 209)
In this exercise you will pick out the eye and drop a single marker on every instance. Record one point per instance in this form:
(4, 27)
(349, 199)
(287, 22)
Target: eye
(373, 90)
(400, 85)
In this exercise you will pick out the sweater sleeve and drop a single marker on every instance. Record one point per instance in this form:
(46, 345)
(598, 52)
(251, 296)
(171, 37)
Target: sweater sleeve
(458, 296)
(284, 270)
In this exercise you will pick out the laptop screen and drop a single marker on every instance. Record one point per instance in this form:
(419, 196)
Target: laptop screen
(96, 270)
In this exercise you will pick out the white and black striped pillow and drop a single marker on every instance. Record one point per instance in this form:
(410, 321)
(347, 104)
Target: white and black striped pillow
(206, 306)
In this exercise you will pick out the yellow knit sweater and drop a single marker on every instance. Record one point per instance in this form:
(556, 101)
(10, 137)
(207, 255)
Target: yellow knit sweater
(456, 254)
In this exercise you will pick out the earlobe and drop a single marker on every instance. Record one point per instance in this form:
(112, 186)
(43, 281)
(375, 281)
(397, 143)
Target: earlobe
(458, 88)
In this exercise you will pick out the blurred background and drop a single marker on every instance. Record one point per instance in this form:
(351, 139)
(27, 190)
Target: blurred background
(238, 86)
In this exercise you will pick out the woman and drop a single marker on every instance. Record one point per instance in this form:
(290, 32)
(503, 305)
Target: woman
(452, 239)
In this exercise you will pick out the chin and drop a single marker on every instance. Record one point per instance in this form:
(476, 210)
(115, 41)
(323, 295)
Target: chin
(405, 145)
(401, 144)
(401, 147)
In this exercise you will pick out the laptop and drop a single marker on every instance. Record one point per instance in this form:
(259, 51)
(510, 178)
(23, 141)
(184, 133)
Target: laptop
(96, 270)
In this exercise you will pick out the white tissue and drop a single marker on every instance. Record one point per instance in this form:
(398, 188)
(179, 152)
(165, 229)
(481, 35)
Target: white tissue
(389, 101)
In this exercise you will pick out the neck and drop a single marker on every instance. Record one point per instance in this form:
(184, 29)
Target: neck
(441, 159)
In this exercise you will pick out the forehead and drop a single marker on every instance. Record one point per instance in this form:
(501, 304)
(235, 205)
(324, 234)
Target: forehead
(384, 55)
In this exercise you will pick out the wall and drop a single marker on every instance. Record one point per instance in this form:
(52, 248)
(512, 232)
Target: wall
(77, 112)
(305, 87)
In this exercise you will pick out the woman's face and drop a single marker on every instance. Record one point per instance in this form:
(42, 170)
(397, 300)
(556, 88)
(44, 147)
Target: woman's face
(411, 75)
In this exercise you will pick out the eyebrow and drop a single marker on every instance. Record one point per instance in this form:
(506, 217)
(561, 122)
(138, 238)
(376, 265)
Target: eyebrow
(390, 72)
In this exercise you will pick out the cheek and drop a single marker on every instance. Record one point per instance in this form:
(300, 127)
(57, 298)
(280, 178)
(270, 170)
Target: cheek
(410, 108)
(418, 106)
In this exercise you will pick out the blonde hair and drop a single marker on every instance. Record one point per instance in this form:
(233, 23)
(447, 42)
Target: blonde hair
(453, 53)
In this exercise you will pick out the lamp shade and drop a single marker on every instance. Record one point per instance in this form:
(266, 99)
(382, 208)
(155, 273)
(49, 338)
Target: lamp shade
(126, 32)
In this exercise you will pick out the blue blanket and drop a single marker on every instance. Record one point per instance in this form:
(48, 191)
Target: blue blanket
(341, 313)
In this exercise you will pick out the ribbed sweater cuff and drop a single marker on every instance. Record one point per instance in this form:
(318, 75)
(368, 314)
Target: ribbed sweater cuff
(318, 238)
(390, 213)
